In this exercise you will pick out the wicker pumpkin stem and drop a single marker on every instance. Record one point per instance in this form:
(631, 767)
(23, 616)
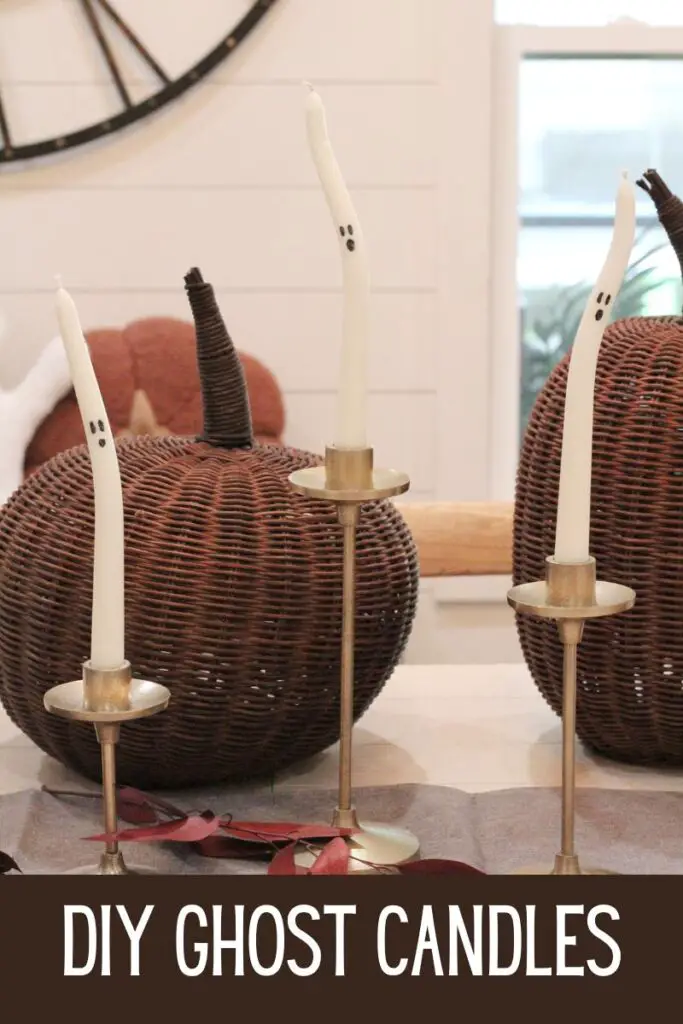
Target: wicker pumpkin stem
(669, 209)
(225, 401)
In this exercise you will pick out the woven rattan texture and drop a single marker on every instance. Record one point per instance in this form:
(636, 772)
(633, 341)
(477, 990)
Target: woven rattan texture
(233, 600)
(233, 593)
(630, 686)
(227, 416)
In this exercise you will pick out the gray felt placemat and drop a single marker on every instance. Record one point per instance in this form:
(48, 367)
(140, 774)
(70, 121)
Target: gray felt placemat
(628, 832)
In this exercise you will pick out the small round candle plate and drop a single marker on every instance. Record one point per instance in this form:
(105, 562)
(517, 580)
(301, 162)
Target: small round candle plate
(532, 599)
(313, 483)
(67, 701)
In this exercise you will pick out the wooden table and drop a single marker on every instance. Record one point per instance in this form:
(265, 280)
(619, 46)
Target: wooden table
(474, 727)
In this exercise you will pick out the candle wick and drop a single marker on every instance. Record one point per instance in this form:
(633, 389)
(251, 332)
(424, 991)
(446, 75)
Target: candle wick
(58, 279)
(308, 85)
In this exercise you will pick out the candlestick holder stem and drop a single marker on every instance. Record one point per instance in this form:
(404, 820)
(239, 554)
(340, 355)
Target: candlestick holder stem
(107, 698)
(571, 595)
(349, 481)
(567, 861)
(349, 516)
(108, 737)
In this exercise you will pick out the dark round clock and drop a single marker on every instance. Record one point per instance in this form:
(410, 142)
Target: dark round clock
(102, 19)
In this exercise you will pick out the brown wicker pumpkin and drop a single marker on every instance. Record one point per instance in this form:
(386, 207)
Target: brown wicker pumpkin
(233, 593)
(630, 686)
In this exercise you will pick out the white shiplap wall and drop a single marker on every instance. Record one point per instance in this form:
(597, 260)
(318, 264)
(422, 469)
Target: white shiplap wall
(223, 179)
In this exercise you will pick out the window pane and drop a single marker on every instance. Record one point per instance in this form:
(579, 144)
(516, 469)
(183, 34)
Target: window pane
(583, 121)
(572, 150)
(587, 12)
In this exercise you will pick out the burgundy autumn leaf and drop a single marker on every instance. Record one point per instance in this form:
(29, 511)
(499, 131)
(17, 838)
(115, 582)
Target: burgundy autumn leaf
(283, 863)
(135, 808)
(279, 831)
(226, 848)
(8, 864)
(438, 866)
(155, 803)
(258, 831)
(164, 807)
(322, 832)
(333, 859)
(192, 829)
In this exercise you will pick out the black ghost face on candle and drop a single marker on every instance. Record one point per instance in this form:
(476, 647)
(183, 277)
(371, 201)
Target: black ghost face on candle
(347, 233)
(603, 300)
(96, 428)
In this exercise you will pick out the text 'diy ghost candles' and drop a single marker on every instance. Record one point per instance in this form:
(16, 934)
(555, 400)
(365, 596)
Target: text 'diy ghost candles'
(574, 501)
(107, 637)
(351, 414)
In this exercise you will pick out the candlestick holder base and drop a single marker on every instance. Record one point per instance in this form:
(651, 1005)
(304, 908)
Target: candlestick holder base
(562, 866)
(373, 847)
(348, 479)
(107, 698)
(110, 864)
(571, 595)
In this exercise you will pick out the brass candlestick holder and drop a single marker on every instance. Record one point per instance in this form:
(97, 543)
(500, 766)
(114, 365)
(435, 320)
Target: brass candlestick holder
(108, 698)
(349, 480)
(570, 594)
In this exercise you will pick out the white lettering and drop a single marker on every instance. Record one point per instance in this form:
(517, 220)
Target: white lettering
(387, 912)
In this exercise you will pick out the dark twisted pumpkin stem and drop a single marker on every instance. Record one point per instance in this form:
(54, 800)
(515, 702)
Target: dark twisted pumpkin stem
(669, 210)
(225, 401)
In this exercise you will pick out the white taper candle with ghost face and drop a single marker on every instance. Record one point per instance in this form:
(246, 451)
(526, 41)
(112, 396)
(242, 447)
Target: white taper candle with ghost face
(107, 638)
(351, 413)
(574, 501)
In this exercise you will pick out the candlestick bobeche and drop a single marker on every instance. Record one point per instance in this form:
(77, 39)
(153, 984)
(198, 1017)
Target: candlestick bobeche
(571, 594)
(107, 699)
(349, 480)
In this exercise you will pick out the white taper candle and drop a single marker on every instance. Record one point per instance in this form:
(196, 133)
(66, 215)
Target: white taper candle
(574, 501)
(351, 413)
(107, 637)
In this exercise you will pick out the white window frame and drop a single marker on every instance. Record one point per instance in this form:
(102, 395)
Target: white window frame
(502, 361)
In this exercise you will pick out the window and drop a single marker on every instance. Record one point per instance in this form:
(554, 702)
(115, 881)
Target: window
(549, 101)
(570, 152)
(573, 108)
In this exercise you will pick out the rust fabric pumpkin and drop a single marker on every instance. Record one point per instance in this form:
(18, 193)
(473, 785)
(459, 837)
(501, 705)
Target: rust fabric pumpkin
(630, 671)
(233, 593)
(147, 372)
